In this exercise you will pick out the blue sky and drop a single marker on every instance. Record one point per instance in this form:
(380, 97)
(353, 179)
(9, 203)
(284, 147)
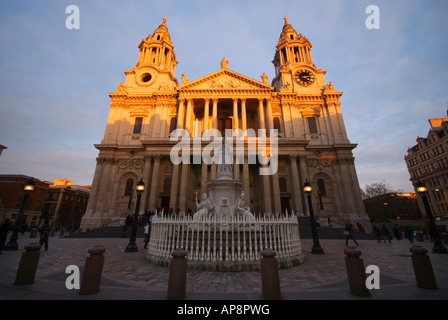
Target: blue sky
(54, 81)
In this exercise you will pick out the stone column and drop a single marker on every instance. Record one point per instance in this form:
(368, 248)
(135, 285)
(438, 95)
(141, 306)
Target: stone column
(206, 113)
(296, 187)
(174, 187)
(276, 193)
(261, 114)
(246, 179)
(243, 115)
(184, 188)
(215, 113)
(304, 175)
(267, 193)
(269, 114)
(181, 114)
(146, 175)
(214, 126)
(154, 191)
(204, 172)
(235, 113)
(188, 116)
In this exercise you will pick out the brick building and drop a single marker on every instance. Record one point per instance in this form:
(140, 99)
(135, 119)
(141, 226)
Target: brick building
(394, 205)
(65, 203)
(12, 194)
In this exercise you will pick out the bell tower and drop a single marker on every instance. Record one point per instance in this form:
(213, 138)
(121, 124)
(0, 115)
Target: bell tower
(156, 66)
(293, 62)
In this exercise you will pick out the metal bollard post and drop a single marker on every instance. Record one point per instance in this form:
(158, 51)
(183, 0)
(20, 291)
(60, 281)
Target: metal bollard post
(356, 272)
(177, 282)
(270, 280)
(28, 264)
(91, 278)
(423, 271)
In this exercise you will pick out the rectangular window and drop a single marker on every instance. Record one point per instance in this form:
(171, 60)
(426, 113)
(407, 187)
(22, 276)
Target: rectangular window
(312, 124)
(138, 125)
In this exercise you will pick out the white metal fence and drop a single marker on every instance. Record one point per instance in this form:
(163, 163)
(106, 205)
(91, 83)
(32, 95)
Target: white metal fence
(215, 240)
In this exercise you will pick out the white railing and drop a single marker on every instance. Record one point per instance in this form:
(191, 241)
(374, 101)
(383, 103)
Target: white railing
(215, 240)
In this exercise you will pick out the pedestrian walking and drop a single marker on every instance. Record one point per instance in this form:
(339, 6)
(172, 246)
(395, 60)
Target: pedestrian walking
(348, 233)
(385, 232)
(397, 232)
(44, 235)
(4, 228)
(409, 234)
(147, 233)
(123, 230)
(377, 233)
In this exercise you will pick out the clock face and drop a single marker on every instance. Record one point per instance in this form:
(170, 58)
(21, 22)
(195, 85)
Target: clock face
(304, 77)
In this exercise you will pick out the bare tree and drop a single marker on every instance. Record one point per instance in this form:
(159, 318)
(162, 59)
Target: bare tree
(376, 189)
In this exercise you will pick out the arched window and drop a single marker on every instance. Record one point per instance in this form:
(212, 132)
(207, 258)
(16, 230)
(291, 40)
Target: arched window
(283, 184)
(129, 187)
(321, 187)
(277, 125)
(167, 185)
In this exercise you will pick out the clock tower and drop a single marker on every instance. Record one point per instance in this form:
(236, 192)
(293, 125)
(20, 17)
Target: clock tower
(294, 67)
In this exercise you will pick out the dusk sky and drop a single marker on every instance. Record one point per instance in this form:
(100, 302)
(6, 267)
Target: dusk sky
(54, 82)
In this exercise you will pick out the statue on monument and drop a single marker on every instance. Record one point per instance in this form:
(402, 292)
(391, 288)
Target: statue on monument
(242, 210)
(205, 207)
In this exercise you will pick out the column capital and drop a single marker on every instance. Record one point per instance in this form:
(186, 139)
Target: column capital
(294, 156)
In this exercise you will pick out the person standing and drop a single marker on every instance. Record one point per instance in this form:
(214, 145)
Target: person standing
(385, 232)
(44, 235)
(348, 233)
(147, 232)
(409, 234)
(4, 228)
(377, 233)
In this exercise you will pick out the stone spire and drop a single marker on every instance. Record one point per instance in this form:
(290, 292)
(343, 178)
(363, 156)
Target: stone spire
(158, 50)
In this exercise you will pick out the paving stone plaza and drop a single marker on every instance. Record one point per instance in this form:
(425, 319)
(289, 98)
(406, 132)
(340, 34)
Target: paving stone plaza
(127, 275)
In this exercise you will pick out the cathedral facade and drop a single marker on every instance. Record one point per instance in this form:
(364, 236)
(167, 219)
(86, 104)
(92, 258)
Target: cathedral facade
(304, 111)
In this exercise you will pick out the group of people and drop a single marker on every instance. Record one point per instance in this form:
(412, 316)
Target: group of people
(7, 226)
(381, 234)
(397, 233)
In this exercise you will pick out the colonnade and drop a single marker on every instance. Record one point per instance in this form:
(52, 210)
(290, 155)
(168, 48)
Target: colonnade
(181, 181)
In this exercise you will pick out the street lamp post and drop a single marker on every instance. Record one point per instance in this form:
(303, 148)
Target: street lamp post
(307, 188)
(132, 246)
(438, 246)
(130, 199)
(12, 244)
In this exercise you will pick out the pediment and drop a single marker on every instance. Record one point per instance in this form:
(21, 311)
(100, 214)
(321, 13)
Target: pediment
(225, 79)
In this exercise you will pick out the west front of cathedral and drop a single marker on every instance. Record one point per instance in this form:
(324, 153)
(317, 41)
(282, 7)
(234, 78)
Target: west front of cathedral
(151, 104)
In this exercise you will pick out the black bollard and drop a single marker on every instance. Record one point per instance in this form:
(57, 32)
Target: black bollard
(270, 279)
(91, 278)
(423, 271)
(356, 272)
(28, 264)
(177, 282)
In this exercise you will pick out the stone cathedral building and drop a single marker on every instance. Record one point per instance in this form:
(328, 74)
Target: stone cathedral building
(298, 102)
